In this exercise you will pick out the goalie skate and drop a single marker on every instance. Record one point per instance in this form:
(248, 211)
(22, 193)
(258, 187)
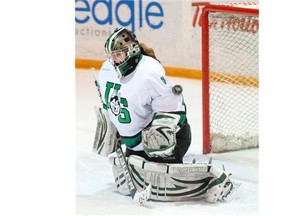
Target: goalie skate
(230, 189)
(140, 197)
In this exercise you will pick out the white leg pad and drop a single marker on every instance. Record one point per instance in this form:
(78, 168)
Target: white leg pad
(170, 182)
(119, 177)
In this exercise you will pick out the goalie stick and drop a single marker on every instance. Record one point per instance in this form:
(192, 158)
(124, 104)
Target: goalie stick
(138, 196)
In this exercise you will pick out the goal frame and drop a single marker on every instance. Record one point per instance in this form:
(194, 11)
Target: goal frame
(210, 8)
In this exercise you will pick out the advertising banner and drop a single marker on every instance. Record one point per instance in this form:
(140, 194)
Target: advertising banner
(165, 26)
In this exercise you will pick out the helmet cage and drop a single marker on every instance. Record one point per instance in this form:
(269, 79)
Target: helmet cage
(117, 57)
(123, 51)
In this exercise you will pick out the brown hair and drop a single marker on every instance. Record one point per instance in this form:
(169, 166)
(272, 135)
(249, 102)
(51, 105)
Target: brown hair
(145, 50)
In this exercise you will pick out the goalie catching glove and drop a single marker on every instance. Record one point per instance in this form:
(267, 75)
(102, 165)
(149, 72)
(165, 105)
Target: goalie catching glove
(159, 139)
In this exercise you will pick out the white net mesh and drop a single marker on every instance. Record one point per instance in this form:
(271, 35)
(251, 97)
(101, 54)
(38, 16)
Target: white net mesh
(234, 81)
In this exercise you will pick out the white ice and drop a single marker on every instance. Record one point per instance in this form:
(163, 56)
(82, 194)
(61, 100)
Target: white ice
(96, 193)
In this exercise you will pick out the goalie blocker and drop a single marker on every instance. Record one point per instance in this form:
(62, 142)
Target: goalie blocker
(176, 182)
(106, 134)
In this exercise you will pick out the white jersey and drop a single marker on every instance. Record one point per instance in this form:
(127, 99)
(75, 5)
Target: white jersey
(133, 100)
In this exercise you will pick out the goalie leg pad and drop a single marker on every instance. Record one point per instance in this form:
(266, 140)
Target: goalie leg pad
(170, 182)
(175, 182)
(119, 177)
(106, 134)
(220, 187)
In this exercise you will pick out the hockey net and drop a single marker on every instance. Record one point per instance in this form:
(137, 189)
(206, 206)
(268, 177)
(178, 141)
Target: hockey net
(230, 76)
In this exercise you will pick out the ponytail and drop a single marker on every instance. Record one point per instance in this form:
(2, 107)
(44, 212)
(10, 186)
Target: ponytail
(145, 50)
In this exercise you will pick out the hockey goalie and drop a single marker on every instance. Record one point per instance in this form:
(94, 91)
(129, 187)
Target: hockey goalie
(145, 112)
(167, 181)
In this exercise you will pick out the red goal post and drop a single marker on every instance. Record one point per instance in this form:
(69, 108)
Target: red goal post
(230, 76)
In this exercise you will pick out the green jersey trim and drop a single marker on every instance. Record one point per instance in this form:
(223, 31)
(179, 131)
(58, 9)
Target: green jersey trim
(132, 141)
(182, 115)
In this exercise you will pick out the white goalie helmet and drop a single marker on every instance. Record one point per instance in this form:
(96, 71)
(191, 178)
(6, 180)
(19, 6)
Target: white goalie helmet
(123, 51)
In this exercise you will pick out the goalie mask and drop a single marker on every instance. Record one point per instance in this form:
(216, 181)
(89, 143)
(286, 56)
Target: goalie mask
(123, 51)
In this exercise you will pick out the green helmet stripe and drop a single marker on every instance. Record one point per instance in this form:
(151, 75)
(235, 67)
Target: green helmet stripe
(112, 38)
